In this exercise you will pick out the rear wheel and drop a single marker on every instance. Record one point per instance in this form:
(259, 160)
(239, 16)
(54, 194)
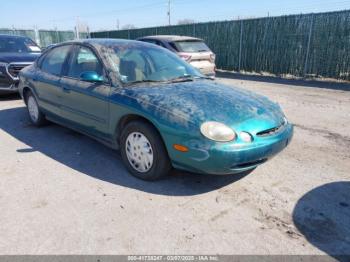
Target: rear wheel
(143, 151)
(35, 115)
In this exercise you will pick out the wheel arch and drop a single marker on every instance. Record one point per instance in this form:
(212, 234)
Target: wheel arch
(25, 91)
(126, 119)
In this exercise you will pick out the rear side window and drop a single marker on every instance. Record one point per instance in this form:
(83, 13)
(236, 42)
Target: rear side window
(53, 62)
(160, 44)
(152, 41)
(191, 46)
(84, 60)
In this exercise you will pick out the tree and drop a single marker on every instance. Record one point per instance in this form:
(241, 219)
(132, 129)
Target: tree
(185, 21)
(128, 26)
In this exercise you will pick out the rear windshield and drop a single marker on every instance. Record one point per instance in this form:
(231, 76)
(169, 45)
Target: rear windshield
(18, 45)
(191, 46)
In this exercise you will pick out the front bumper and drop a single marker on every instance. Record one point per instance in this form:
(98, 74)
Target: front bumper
(7, 84)
(231, 158)
(9, 89)
(9, 76)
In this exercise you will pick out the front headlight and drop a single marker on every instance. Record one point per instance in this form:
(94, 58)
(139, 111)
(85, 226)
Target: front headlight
(217, 131)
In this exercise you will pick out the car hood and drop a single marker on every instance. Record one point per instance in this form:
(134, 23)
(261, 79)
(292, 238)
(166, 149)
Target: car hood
(18, 57)
(206, 100)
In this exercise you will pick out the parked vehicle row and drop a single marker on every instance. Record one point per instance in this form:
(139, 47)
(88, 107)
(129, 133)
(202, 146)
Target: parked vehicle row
(158, 110)
(17, 52)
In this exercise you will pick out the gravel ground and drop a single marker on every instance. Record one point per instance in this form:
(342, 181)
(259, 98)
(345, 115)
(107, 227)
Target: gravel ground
(63, 193)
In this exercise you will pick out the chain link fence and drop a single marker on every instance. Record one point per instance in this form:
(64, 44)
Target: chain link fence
(299, 45)
(46, 37)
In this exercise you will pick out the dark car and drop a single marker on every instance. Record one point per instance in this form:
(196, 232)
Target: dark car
(156, 108)
(193, 50)
(16, 52)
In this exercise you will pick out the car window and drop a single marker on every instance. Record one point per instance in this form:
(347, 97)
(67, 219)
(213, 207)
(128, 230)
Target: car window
(172, 44)
(133, 65)
(84, 60)
(160, 44)
(191, 46)
(162, 60)
(151, 41)
(145, 63)
(18, 45)
(52, 63)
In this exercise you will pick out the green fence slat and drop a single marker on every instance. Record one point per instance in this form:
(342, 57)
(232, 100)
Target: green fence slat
(277, 45)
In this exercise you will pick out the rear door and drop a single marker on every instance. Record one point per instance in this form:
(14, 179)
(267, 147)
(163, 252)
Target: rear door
(85, 104)
(47, 79)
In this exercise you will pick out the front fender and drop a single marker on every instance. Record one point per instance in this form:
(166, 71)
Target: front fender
(173, 128)
(25, 82)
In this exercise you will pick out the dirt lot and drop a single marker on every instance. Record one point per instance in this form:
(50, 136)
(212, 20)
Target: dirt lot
(63, 193)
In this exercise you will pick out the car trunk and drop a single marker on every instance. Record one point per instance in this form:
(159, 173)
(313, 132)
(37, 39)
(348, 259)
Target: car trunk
(197, 53)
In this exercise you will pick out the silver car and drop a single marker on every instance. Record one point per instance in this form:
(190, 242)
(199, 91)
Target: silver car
(191, 49)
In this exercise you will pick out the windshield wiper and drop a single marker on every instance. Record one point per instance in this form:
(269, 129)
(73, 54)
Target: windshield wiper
(142, 81)
(205, 77)
(184, 78)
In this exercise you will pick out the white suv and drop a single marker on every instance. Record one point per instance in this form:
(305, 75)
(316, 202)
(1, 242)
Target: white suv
(193, 50)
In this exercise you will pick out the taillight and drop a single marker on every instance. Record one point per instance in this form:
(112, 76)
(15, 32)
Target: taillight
(212, 57)
(185, 57)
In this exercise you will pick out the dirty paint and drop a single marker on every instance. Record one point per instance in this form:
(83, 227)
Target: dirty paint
(177, 110)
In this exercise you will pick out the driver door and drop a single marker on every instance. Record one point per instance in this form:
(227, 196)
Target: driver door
(85, 104)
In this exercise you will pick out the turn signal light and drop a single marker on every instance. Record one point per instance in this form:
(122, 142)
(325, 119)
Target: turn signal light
(212, 57)
(180, 148)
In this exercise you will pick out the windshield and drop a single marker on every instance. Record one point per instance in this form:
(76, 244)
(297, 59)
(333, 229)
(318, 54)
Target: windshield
(140, 63)
(18, 45)
(191, 46)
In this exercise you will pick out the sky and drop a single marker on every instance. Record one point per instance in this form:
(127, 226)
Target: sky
(107, 14)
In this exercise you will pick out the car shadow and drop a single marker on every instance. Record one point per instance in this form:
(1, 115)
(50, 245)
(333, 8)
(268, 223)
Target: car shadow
(344, 86)
(9, 97)
(88, 156)
(322, 215)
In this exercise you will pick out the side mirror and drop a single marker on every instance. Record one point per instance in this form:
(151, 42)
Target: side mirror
(91, 76)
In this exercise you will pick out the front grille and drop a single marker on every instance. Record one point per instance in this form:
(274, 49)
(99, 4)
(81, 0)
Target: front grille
(272, 131)
(249, 164)
(13, 69)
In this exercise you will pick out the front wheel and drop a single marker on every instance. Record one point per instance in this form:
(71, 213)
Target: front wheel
(143, 151)
(35, 115)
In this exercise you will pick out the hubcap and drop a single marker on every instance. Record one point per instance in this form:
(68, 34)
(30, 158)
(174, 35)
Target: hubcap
(33, 108)
(139, 152)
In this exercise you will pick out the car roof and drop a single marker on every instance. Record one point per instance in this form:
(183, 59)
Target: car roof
(171, 38)
(105, 42)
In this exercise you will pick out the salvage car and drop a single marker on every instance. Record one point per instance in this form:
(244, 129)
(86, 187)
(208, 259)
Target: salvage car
(158, 110)
(192, 50)
(16, 52)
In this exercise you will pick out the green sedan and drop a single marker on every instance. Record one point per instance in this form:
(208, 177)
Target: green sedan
(159, 111)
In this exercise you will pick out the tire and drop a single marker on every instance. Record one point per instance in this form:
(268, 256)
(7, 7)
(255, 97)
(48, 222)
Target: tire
(35, 115)
(143, 151)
